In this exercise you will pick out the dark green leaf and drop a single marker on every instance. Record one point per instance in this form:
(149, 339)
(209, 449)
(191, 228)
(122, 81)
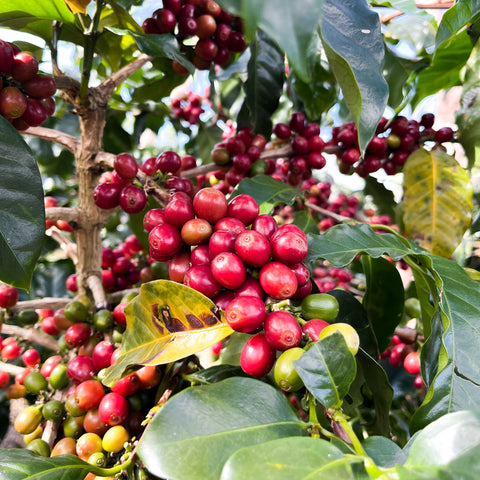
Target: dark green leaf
(205, 425)
(22, 214)
(406, 6)
(351, 35)
(267, 191)
(384, 452)
(264, 84)
(327, 369)
(21, 464)
(384, 298)
(294, 458)
(304, 220)
(216, 374)
(447, 448)
(456, 385)
(382, 196)
(456, 18)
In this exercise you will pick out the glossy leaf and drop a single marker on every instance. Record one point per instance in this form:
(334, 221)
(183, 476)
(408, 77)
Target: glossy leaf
(327, 369)
(166, 322)
(351, 35)
(21, 464)
(215, 374)
(207, 424)
(264, 83)
(287, 459)
(21, 209)
(456, 385)
(405, 6)
(29, 10)
(437, 201)
(384, 298)
(448, 448)
(305, 220)
(267, 191)
(384, 452)
(291, 27)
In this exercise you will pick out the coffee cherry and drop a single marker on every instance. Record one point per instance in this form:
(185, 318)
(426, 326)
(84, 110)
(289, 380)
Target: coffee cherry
(257, 357)
(113, 409)
(444, 134)
(77, 335)
(58, 377)
(289, 247)
(107, 195)
(286, 377)
(35, 383)
(24, 67)
(88, 394)
(126, 166)
(210, 204)
(31, 357)
(165, 20)
(12, 102)
(80, 369)
(64, 446)
(349, 334)
(221, 241)
(35, 113)
(87, 445)
(265, 224)
(8, 296)
(278, 280)
(244, 207)
(228, 270)
(165, 240)
(313, 327)
(282, 330)
(411, 363)
(196, 231)
(28, 420)
(245, 313)
(53, 410)
(6, 57)
(320, 305)
(114, 439)
(127, 385)
(132, 199)
(4, 380)
(200, 278)
(253, 248)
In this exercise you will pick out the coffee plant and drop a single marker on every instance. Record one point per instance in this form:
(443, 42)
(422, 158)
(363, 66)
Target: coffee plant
(239, 240)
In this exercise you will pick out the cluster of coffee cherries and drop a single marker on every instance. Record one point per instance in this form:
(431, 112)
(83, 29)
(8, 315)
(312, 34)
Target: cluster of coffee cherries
(122, 187)
(390, 147)
(218, 34)
(25, 94)
(188, 107)
(95, 422)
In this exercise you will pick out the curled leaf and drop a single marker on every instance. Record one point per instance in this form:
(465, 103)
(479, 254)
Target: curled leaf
(166, 322)
(77, 6)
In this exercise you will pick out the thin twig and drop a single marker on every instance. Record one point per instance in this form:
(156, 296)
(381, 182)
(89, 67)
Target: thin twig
(327, 213)
(69, 247)
(52, 303)
(54, 136)
(95, 285)
(11, 369)
(31, 335)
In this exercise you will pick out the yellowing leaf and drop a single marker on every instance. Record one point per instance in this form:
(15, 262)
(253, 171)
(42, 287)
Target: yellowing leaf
(166, 322)
(437, 201)
(77, 6)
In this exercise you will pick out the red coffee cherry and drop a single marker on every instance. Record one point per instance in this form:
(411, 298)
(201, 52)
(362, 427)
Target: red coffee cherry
(210, 204)
(132, 199)
(228, 270)
(126, 166)
(289, 248)
(245, 313)
(80, 369)
(200, 278)
(12, 102)
(8, 296)
(24, 67)
(165, 240)
(253, 248)
(178, 266)
(127, 385)
(258, 356)
(179, 209)
(77, 335)
(107, 195)
(113, 409)
(168, 162)
(278, 280)
(88, 394)
(40, 86)
(244, 207)
(282, 330)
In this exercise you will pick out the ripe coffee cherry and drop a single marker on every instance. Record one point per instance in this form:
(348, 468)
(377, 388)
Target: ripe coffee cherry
(4, 380)
(200, 278)
(12, 102)
(221, 241)
(165, 20)
(444, 134)
(168, 162)
(244, 207)
(25, 66)
(127, 385)
(178, 266)
(6, 57)
(8, 296)
(80, 369)
(230, 224)
(245, 313)
(253, 248)
(113, 409)
(11, 351)
(40, 87)
(151, 219)
(313, 327)
(289, 248)
(107, 195)
(88, 394)
(236, 42)
(257, 357)
(228, 270)
(278, 280)
(210, 204)
(282, 330)
(179, 209)
(119, 314)
(132, 199)
(411, 363)
(77, 335)
(351, 156)
(35, 113)
(149, 375)
(206, 26)
(101, 355)
(165, 240)
(265, 224)
(126, 166)
(31, 357)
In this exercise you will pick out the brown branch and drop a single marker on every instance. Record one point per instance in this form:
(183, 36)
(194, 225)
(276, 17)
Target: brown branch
(327, 213)
(11, 369)
(51, 135)
(209, 167)
(46, 302)
(112, 82)
(62, 213)
(69, 247)
(94, 283)
(31, 335)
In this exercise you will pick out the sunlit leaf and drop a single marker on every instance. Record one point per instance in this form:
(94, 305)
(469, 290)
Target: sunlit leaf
(437, 201)
(28, 11)
(166, 322)
(77, 6)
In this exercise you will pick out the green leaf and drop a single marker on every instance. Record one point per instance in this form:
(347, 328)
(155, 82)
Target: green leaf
(384, 452)
(384, 298)
(264, 84)
(448, 448)
(22, 464)
(383, 197)
(165, 45)
(327, 369)
(22, 213)
(207, 424)
(437, 201)
(167, 321)
(267, 191)
(287, 459)
(405, 6)
(456, 18)
(27, 11)
(291, 27)
(215, 374)
(353, 43)
(305, 220)
(445, 70)
(456, 342)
